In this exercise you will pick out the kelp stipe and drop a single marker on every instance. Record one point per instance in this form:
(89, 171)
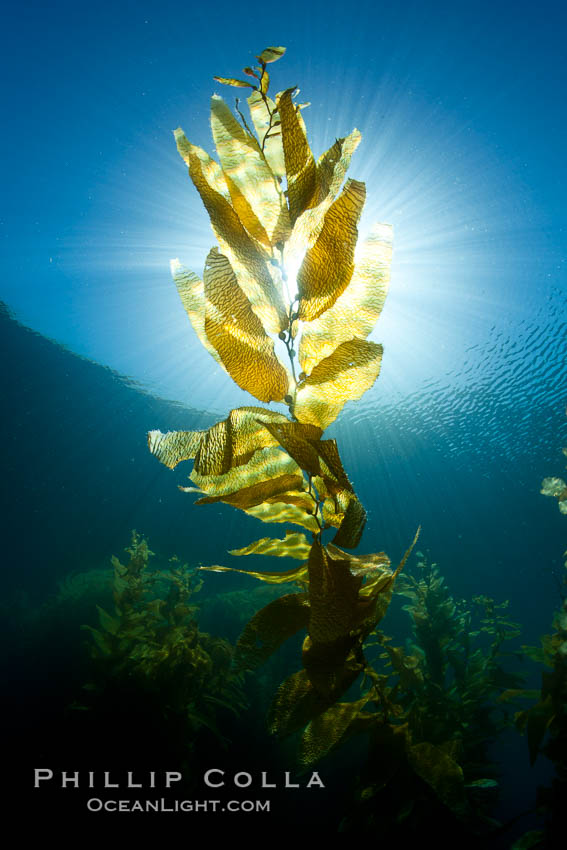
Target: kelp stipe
(274, 208)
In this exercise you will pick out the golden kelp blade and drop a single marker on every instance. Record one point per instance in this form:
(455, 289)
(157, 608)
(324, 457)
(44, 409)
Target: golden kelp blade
(264, 465)
(383, 580)
(330, 172)
(192, 293)
(318, 458)
(352, 526)
(332, 167)
(344, 376)
(334, 497)
(269, 486)
(333, 512)
(296, 574)
(256, 195)
(299, 498)
(333, 596)
(296, 702)
(300, 165)
(256, 494)
(271, 54)
(299, 441)
(284, 511)
(233, 441)
(271, 627)
(228, 443)
(327, 267)
(333, 667)
(328, 730)
(356, 310)
(231, 81)
(294, 545)
(329, 453)
(408, 552)
(232, 327)
(272, 145)
(247, 256)
(264, 82)
(174, 446)
(365, 565)
(379, 589)
(211, 170)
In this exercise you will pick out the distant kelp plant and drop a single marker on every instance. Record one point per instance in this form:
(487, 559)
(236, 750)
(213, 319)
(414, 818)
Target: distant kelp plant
(545, 722)
(456, 658)
(149, 646)
(557, 488)
(285, 269)
(433, 712)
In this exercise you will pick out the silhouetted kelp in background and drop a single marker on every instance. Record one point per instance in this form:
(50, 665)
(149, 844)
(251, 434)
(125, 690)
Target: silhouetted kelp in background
(545, 722)
(149, 644)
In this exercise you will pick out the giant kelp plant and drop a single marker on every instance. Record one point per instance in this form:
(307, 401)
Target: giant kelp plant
(275, 208)
(545, 722)
(148, 648)
(452, 670)
(431, 716)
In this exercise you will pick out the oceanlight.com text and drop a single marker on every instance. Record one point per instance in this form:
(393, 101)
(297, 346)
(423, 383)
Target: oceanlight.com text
(95, 804)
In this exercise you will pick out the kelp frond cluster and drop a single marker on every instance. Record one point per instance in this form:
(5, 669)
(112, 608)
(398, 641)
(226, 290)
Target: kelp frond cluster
(150, 642)
(545, 721)
(557, 488)
(549, 714)
(285, 262)
(286, 270)
(451, 674)
(431, 713)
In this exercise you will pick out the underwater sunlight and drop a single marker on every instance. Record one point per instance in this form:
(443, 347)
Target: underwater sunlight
(284, 535)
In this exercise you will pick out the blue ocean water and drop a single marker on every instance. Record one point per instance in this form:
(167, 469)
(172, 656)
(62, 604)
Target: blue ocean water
(463, 151)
